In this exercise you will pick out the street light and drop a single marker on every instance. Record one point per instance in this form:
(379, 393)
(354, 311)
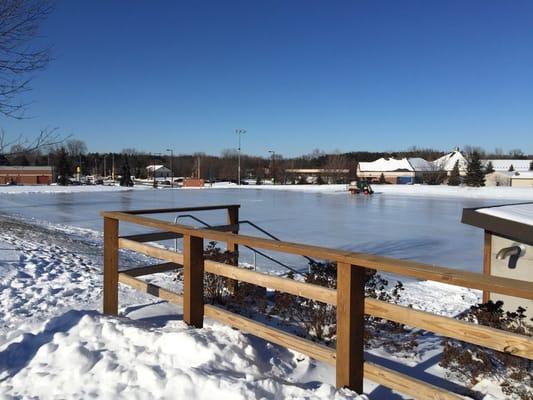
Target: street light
(273, 165)
(239, 132)
(153, 172)
(171, 170)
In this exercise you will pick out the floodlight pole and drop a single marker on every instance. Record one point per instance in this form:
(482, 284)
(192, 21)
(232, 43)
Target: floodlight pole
(273, 173)
(239, 132)
(171, 169)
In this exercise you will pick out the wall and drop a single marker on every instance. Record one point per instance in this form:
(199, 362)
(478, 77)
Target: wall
(525, 182)
(523, 271)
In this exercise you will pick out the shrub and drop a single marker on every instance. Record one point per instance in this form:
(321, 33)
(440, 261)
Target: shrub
(473, 363)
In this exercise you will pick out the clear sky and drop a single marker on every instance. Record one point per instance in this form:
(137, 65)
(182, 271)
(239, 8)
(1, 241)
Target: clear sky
(297, 75)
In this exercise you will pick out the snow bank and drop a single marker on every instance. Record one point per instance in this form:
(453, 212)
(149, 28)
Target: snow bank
(491, 193)
(83, 354)
(25, 189)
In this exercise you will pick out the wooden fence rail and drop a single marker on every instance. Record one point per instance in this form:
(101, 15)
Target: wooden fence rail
(348, 357)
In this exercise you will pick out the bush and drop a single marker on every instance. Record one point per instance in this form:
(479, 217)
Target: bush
(473, 363)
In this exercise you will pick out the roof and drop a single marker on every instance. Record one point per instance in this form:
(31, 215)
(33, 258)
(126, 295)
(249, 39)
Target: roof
(386, 164)
(514, 221)
(503, 165)
(317, 171)
(156, 167)
(447, 162)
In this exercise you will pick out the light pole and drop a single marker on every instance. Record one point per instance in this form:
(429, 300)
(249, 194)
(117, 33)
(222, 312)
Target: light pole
(171, 170)
(273, 165)
(239, 132)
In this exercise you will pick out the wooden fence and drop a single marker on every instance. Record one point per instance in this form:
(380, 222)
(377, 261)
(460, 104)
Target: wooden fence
(349, 299)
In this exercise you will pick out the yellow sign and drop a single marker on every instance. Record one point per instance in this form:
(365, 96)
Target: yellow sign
(78, 169)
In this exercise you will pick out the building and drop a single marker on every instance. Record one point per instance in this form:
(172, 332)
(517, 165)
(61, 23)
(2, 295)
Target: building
(160, 171)
(24, 175)
(404, 171)
(522, 179)
(448, 161)
(519, 165)
(498, 178)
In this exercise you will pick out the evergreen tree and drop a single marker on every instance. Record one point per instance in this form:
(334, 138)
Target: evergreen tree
(474, 172)
(489, 168)
(258, 181)
(319, 180)
(511, 168)
(455, 177)
(125, 175)
(382, 179)
(63, 167)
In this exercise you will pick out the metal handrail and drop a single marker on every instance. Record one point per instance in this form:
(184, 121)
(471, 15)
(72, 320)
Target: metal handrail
(255, 251)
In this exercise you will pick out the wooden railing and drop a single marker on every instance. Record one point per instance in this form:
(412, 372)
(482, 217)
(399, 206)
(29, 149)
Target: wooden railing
(349, 299)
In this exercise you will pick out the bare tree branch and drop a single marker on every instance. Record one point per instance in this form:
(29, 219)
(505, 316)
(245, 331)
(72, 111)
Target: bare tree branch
(19, 24)
(46, 138)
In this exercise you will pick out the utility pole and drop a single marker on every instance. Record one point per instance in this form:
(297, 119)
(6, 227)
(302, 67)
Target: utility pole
(171, 169)
(239, 132)
(273, 173)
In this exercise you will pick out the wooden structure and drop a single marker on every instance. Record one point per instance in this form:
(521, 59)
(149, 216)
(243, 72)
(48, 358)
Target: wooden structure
(501, 231)
(348, 357)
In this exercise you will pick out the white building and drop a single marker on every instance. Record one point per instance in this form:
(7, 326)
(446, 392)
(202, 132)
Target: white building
(523, 179)
(447, 162)
(160, 171)
(404, 171)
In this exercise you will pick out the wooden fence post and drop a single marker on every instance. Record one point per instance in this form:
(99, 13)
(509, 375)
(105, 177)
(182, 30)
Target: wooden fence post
(350, 326)
(233, 219)
(487, 260)
(193, 281)
(110, 266)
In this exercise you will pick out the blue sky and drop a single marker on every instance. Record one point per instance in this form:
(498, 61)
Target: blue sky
(297, 75)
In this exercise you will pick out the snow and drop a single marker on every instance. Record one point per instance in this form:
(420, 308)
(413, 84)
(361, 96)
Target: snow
(447, 162)
(26, 189)
(83, 354)
(386, 164)
(520, 165)
(442, 191)
(55, 344)
(522, 213)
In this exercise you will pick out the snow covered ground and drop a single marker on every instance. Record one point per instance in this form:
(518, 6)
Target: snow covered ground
(27, 189)
(55, 344)
(492, 193)
(52, 335)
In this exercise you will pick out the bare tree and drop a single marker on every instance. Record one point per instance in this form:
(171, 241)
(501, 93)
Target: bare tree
(76, 147)
(19, 24)
(47, 137)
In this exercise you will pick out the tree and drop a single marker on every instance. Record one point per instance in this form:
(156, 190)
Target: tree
(382, 179)
(511, 168)
(125, 175)
(20, 21)
(531, 166)
(489, 168)
(474, 172)
(63, 167)
(455, 177)
(319, 180)
(258, 181)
